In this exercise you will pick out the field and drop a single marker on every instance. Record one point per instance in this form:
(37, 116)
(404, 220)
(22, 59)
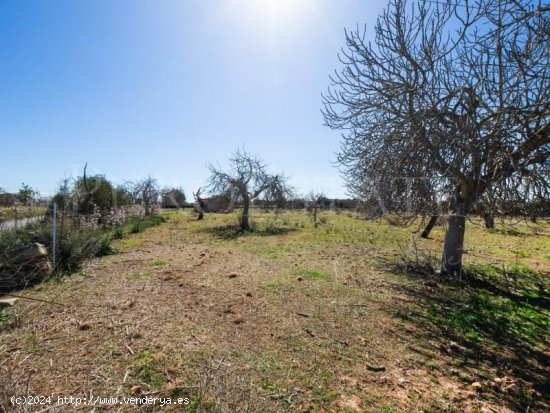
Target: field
(20, 212)
(341, 317)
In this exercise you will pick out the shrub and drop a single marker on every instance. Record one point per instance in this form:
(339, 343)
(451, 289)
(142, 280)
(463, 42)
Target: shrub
(117, 233)
(105, 247)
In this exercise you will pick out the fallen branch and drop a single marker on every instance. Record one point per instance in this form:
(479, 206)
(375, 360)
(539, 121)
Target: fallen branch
(35, 299)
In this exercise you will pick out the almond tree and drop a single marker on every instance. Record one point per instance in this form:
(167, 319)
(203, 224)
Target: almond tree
(455, 93)
(247, 179)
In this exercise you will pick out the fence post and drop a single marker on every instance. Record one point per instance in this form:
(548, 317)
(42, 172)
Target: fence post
(54, 234)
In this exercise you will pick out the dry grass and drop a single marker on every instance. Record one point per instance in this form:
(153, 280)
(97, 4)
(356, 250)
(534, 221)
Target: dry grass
(288, 318)
(20, 212)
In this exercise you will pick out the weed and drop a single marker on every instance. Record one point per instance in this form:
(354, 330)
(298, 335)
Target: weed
(136, 227)
(118, 233)
(105, 248)
(8, 318)
(145, 369)
(130, 243)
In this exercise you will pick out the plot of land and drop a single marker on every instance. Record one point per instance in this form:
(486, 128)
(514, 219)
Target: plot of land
(291, 318)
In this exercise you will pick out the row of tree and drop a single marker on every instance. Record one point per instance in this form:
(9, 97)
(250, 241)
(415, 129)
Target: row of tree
(86, 194)
(25, 196)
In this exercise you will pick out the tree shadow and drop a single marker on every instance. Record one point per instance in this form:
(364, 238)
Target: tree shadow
(494, 333)
(231, 232)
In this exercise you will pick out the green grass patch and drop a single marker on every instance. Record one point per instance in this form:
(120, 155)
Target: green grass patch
(145, 369)
(137, 225)
(139, 275)
(517, 279)
(8, 318)
(314, 275)
(479, 317)
(273, 286)
(157, 263)
(130, 243)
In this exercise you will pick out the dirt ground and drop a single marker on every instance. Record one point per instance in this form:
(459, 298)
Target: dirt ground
(291, 318)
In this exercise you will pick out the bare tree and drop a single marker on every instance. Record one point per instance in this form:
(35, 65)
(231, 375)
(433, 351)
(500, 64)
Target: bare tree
(247, 178)
(314, 202)
(147, 193)
(453, 92)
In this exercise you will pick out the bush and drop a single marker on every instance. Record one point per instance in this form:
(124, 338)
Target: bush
(117, 233)
(105, 247)
(136, 227)
(76, 244)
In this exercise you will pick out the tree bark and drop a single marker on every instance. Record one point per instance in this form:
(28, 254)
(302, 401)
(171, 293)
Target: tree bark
(429, 227)
(451, 264)
(489, 220)
(245, 226)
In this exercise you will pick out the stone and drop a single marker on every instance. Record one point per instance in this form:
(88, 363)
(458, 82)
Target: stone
(24, 267)
(30, 253)
(476, 385)
(7, 302)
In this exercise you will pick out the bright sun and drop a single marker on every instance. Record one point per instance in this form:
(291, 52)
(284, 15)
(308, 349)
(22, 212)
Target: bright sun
(272, 15)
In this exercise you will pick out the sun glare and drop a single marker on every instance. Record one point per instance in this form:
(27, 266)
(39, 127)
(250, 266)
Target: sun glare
(274, 15)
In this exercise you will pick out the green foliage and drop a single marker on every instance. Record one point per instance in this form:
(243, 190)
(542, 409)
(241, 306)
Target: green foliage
(25, 194)
(122, 196)
(105, 247)
(78, 246)
(145, 370)
(8, 318)
(96, 190)
(63, 196)
(117, 233)
(14, 239)
(135, 227)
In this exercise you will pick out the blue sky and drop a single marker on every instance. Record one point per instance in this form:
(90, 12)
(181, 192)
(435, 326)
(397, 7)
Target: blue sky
(163, 87)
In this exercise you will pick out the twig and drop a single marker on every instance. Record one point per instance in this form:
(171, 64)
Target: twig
(36, 299)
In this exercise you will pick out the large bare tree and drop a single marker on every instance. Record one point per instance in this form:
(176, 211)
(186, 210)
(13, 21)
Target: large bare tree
(454, 94)
(247, 179)
(147, 193)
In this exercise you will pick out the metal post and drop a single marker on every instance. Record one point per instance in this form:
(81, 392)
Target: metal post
(54, 230)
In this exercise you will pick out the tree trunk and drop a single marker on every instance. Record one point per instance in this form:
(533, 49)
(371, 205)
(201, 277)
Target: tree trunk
(245, 226)
(429, 227)
(451, 264)
(489, 220)
(315, 215)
